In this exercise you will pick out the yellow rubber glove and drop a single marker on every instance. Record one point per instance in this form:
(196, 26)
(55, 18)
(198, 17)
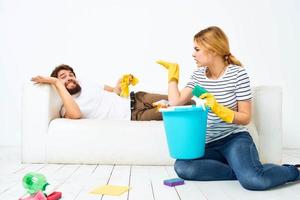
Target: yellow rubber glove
(173, 69)
(126, 80)
(224, 113)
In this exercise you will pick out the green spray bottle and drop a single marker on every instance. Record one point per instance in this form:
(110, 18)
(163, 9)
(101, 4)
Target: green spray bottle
(34, 182)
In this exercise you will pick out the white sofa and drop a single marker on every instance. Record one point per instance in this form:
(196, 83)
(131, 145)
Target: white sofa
(46, 138)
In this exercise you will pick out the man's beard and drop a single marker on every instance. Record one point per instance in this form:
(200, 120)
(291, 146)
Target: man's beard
(74, 90)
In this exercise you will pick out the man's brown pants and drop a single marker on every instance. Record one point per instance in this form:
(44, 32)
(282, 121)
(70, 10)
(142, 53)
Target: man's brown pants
(143, 110)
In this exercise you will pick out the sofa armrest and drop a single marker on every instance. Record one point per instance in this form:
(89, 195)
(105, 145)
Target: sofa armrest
(40, 104)
(267, 116)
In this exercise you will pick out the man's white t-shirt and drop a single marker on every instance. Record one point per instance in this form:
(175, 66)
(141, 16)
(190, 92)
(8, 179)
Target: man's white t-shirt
(96, 103)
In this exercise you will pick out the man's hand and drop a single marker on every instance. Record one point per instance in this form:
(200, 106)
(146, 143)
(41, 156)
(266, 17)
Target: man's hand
(126, 80)
(117, 88)
(44, 80)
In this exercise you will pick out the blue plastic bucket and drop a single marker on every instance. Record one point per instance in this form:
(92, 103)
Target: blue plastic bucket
(185, 128)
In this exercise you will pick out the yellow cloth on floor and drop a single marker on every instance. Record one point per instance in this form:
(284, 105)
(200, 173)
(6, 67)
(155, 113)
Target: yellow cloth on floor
(127, 79)
(114, 190)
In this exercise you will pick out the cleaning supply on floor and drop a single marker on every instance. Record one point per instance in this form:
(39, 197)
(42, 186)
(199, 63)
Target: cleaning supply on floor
(114, 190)
(54, 196)
(173, 182)
(37, 196)
(34, 182)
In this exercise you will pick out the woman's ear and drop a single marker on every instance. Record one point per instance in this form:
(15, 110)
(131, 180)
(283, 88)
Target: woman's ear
(213, 53)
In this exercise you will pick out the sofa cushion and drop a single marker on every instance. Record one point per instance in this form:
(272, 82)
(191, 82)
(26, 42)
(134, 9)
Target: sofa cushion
(104, 141)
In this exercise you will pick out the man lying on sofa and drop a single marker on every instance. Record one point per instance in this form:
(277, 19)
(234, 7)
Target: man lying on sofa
(85, 100)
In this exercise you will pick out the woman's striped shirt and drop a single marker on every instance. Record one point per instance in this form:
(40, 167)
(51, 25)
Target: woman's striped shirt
(231, 87)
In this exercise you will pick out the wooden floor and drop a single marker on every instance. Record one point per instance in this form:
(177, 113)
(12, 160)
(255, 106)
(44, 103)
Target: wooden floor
(146, 182)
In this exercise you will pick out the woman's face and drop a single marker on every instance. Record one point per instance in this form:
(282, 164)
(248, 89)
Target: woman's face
(201, 55)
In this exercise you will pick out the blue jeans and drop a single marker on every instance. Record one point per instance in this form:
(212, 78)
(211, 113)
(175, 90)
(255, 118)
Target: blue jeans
(235, 157)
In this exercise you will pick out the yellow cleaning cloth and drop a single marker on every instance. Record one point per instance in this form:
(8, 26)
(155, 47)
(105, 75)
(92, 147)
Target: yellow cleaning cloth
(114, 190)
(127, 79)
(161, 104)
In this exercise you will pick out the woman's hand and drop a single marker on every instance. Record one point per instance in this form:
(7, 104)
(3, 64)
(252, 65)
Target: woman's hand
(221, 111)
(173, 70)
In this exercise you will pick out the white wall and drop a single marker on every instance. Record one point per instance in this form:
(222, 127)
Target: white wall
(104, 39)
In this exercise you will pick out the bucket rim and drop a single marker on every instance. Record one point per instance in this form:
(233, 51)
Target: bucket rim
(188, 108)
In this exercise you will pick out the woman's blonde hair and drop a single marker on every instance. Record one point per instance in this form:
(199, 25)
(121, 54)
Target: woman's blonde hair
(214, 39)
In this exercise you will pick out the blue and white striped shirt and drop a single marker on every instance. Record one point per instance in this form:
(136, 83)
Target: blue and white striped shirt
(231, 87)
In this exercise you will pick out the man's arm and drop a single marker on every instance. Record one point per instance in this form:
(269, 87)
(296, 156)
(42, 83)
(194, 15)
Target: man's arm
(112, 89)
(116, 89)
(72, 109)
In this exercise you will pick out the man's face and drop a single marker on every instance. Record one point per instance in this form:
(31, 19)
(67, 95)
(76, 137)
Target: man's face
(69, 80)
